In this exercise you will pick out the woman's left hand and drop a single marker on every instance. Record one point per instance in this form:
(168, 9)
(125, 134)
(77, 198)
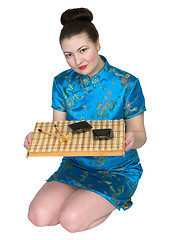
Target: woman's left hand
(135, 136)
(129, 140)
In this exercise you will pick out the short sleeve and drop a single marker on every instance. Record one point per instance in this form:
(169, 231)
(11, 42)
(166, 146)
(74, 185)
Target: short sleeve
(134, 101)
(57, 97)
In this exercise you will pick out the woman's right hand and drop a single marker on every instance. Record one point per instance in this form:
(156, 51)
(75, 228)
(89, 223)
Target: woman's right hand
(28, 140)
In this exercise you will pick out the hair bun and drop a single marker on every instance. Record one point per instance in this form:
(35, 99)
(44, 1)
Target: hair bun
(76, 14)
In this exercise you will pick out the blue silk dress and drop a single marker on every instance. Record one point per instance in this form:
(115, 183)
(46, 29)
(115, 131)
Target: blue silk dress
(111, 94)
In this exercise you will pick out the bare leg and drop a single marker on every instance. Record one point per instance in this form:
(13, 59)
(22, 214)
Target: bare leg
(98, 222)
(46, 206)
(84, 210)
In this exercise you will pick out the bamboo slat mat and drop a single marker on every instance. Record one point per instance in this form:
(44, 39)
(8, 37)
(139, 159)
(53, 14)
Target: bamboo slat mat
(81, 144)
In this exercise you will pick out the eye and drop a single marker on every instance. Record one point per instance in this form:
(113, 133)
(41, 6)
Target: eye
(68, 55)
(83, 50)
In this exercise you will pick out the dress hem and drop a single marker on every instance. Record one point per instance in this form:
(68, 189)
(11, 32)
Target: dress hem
(88, 189)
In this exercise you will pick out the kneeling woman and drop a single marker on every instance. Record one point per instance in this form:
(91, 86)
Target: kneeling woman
(84, 191)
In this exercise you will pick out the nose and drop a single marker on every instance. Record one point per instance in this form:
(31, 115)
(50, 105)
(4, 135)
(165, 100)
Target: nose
(78, 59)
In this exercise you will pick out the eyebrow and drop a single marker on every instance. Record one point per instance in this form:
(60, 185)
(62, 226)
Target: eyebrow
(77, 49)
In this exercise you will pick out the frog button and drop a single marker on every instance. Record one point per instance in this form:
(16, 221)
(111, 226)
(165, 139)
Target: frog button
(86, 81)
(95, 81)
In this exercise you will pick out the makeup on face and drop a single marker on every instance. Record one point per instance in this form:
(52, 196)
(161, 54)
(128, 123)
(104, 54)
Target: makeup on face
(83, 67)
(82, 55)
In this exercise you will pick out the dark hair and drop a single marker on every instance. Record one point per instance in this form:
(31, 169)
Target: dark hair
(76, 21)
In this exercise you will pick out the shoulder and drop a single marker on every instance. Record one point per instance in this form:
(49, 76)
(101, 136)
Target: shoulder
(64, 82)
(65, 75)
(121, 74)
(123, 78)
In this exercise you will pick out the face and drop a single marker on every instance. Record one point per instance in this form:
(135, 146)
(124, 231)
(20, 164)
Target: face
(82, 54)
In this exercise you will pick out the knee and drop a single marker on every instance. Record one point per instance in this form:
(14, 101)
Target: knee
(70, 221)
(39, 216)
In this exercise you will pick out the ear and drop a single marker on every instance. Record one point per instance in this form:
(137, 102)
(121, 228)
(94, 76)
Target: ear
(97, 45)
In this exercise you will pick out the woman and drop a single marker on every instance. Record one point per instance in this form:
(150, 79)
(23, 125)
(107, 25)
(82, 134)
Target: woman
(85, 190)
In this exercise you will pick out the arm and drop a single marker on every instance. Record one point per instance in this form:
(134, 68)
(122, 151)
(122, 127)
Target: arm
(135, 136)
(58, 115)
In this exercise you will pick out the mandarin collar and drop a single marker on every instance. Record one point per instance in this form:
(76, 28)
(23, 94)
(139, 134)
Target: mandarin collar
(97, 77)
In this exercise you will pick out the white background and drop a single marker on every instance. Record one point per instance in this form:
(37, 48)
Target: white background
(134, 36)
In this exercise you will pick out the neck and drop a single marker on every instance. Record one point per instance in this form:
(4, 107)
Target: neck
(99, 66)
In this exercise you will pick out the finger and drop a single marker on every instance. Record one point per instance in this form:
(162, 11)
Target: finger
(29, 137)
(26, 143)
(128, 146)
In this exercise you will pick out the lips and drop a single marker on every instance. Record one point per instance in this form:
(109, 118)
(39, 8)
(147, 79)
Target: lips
(83, 67)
